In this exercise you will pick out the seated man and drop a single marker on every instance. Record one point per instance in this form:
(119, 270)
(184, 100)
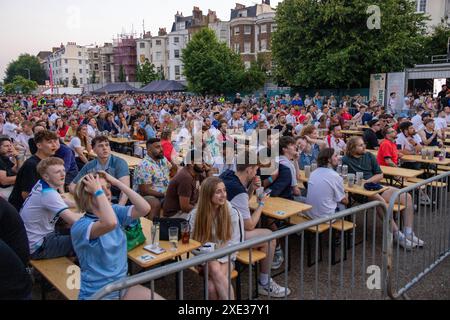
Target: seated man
(388, 154)
(335, 139)
(151, 176)
(10, 163)
(42, 210)
(410, 143)
(358, 160)
(240, 188)
(182, 192)
(370, 135)
(325, 187)
(105, 161)
(47, 144)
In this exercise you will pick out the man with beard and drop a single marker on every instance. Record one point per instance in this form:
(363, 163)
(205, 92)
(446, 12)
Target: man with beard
(182, 192)
(151, 177)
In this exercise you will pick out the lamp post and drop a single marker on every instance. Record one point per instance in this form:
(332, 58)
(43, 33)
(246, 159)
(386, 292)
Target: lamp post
(29, 73)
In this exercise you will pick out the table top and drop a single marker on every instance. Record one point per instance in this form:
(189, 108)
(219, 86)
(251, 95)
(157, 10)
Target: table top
(400, 172)
(355, 189)
(352, 132)
(418, 158)
(131, 161)
(275, 205)
(139, 251)
(121, 140)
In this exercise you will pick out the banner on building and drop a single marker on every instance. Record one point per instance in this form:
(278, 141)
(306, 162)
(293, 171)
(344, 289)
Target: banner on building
(396, 84)
(378, 87)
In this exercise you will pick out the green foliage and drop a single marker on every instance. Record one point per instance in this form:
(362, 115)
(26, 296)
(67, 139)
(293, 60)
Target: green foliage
(436, 43)
(146, 73)
(329, 44)
(94, 77)
(74, 82)
(122, 77)
(19, 68)
(212, 68)
(20, 85)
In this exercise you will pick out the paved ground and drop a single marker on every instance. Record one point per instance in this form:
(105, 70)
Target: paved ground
(324, 281)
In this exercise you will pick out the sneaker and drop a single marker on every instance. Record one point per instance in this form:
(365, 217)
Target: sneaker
(276, 291)
(415, 240)
(278, 259)
(406, 243)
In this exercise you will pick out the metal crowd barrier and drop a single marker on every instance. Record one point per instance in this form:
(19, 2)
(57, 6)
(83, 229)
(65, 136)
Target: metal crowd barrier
(430, 204)
(353, 265)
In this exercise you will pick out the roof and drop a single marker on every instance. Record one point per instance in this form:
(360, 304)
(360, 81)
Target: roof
(163, 86)
(117, 87)
(251, 12)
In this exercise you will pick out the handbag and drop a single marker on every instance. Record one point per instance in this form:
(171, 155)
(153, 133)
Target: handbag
(135, 236)
(165, 224)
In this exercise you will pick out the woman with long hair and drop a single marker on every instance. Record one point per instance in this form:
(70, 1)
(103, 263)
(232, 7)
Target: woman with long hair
(79, 144)
(61, 127)
(98, 239)
(215, 223)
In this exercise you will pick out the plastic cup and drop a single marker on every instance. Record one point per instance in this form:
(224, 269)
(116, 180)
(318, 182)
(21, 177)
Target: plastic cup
(430, 154)
(351, 180)
(424, 154)
(155, 235)
(359, 178)
(339, 169)
(185, 232)
(313, 167)
(173, 238)
(307, 171)
(344, 170)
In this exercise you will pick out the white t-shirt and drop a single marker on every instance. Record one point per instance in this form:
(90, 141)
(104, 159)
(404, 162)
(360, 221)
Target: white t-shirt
(236, 124)
(22, 139)
(447, 119)
(417, 121)
(9, 130)
(440, 123)
(403, 141)
(40, 212)
(325, 191)
(339, 146)
(291, 119)
(75, 142)
(406, 103)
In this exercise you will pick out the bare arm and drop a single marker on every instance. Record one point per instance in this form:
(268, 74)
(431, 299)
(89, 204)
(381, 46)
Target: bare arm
(185, 204)
(123, 197)
(4, 180)
(376, 178)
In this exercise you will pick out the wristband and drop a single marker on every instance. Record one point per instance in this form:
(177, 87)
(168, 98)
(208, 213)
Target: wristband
(261, 204)
(270, 179)
(98, 193)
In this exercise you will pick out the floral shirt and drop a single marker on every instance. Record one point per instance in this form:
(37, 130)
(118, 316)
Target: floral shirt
(154, 173)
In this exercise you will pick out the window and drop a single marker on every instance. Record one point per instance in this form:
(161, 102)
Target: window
(176, 54)
(263, 46)
(177, 70)
(247, 47)
(247, 29)
(104, 68)
(242, 14)
(81, 80)
(273, 28)
(81, 71)
(79, 53)
(421, 5)
(181, 26)
(236, 31)
(80, 62)
(95, 55)
(142, 45)
(176, 40)
(65, 61)
(96, 66)
(264, 28)
(66, 70)
(158, 55)
(158, 42)
(237, 48)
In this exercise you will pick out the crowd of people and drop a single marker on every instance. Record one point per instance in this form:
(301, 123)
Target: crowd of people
(47, 143)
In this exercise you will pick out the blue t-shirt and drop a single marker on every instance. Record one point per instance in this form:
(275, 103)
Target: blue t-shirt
(307, 159)
(102, 260)
(115, 166)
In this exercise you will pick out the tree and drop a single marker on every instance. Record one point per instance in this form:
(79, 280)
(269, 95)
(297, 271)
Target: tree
(94, 77)
(210, 66)
(22, 65)
(335, 44)
(437, 42)
(20, 85)
(74, 82)
(161, 75)
(122, 77)
(146, 72)
(255, 77)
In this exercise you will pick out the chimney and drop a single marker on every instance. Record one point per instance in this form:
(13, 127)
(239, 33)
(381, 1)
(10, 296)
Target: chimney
(239, 6)
(162, 32)
(266, 2)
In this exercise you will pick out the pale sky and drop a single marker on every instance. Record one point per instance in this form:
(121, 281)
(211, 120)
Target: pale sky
(30, 26)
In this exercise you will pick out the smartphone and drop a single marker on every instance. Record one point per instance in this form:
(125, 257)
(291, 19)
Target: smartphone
(267, 192)
(155, 250)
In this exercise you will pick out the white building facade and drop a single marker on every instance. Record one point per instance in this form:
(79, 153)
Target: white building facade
(67, 62)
